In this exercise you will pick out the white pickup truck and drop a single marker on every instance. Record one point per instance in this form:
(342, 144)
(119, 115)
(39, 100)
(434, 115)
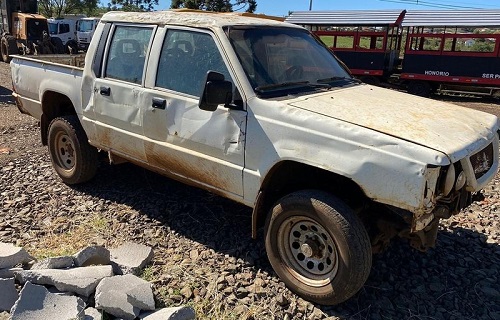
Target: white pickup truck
(261, 112)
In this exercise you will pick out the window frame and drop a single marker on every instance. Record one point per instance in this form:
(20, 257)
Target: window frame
(109, 40)
(158, 47)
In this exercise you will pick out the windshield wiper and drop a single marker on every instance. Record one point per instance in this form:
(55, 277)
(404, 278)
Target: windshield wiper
(283, 85)
(331, 79)
(291, 85)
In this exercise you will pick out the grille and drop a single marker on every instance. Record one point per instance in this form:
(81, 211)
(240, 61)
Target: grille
(482, 161)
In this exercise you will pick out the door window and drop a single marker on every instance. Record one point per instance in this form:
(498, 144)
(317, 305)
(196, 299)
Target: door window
(127, 53)
(185, 59)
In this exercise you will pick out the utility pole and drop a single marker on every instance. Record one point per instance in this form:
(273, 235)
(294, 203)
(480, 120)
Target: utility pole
(310, 5)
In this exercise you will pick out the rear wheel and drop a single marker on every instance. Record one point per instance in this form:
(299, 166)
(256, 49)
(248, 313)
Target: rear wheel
(419, 88)
(7, 47)
(318, 246)
(73, 158)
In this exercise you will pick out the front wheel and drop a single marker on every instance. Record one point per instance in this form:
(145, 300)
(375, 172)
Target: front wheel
(318, 246)
(73, 158)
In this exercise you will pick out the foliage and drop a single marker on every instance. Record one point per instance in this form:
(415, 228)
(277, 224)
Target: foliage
(132, 5)
(216, 5)
(58, 8)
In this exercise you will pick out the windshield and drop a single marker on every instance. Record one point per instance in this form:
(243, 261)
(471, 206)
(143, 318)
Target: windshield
(284, 59)
(35, 28)
(85, 25)
(52, 28)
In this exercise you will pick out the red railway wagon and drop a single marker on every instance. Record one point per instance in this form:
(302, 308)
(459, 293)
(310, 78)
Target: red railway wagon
(368, 42)
(454, 51)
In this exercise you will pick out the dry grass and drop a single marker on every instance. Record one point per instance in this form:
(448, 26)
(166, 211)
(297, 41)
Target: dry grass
(79, 235)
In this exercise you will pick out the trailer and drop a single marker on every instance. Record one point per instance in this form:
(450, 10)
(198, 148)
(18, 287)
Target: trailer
(444, 51)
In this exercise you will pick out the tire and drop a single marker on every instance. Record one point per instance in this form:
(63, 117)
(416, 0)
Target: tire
(8, 47)
(73, 158)
(419, 88)
(72, 47)
(58, 45)
(318, 246)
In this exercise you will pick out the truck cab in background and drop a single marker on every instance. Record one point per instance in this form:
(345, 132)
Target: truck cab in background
(63, 33)
(85, 30)
(23, 31)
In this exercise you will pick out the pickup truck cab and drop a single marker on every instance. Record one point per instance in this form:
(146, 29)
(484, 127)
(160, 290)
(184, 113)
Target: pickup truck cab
(261, 112)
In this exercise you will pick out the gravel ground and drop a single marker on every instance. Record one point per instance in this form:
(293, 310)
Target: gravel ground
(204, 255)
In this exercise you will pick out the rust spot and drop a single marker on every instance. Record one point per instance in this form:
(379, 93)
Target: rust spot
(172, 165)
(108, 138)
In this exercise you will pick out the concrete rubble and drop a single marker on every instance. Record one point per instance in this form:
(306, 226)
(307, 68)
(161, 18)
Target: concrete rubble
(82, 286)
(37, 303)
(177, 313)
(11, 256)
(8, 294)
(92, 314)
(130, 258)
(112, 298)
(95, 255)
(62, 262)
(82, 281)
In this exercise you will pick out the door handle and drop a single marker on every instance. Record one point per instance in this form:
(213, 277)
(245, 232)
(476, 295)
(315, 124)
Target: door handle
(105, 91)
(159, 103)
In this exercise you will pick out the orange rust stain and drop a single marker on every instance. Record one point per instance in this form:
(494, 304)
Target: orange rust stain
(169, 164)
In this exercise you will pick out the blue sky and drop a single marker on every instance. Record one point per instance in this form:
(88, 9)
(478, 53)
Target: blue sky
(282, 7)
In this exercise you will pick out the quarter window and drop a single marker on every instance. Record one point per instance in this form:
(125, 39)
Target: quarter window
(185, 59)
(127, 53)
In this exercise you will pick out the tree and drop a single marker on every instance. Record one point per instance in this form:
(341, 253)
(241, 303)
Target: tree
(132, 5)
(58, 8)
(216, 5)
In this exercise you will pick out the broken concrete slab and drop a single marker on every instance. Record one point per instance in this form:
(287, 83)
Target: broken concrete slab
(139, 292)
(61, 262)
(37, 303)
(92, 314)
(8, 294)
(10, 255)
(112, 297)
(9, 273)
(130, 258)
(95, 255)
(82, 281)
(176, 313)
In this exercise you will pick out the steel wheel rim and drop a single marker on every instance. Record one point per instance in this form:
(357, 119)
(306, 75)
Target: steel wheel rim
(64, 151)
(308, 250)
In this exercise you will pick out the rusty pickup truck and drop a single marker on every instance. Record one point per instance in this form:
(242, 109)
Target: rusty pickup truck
(261, 112)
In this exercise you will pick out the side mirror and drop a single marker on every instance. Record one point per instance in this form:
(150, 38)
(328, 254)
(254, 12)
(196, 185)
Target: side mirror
(216, 91)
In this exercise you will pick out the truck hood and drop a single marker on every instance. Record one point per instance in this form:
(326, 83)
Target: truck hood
(453, 130)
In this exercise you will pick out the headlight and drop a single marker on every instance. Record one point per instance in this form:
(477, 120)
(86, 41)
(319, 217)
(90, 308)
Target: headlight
(449, 180)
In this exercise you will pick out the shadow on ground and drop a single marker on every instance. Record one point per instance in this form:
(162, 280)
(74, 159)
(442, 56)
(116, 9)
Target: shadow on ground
(6, 95)
(457, 280)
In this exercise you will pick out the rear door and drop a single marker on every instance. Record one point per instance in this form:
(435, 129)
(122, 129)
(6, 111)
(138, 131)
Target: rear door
(181, 139)
(119, 91)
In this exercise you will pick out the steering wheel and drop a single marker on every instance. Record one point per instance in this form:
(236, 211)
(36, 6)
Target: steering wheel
(293, 73)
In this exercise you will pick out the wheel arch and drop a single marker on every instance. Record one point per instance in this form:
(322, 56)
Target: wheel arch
(289, 176)
(54, 104)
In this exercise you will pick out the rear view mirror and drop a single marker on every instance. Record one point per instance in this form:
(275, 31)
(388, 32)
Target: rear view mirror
(215, 92)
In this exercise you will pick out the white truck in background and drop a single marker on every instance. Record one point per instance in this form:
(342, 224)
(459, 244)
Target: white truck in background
(263, 113)
(65, 29)
(85, 31)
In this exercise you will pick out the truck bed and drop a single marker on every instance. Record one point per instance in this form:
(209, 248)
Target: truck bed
(33, 76)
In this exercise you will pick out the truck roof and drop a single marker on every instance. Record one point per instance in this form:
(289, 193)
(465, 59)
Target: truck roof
(194, 18)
